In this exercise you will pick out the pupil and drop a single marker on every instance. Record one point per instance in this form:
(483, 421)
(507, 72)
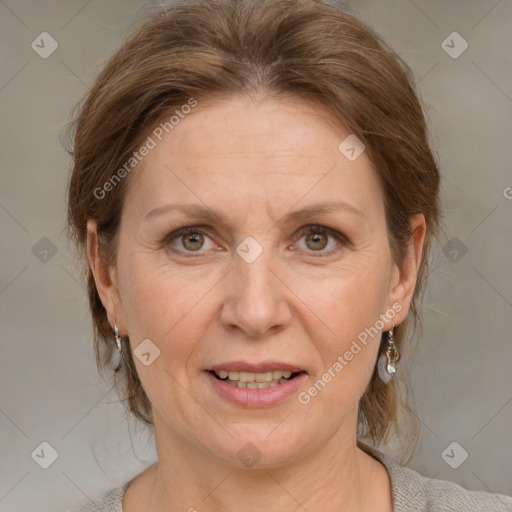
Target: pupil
(316, 239)
(193, 238)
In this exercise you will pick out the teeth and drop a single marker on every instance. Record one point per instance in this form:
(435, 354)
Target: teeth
(249, 380)
(254, 378)
(263, 377)
(254, 385)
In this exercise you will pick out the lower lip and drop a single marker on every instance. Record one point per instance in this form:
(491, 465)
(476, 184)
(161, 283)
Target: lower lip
(246, 397)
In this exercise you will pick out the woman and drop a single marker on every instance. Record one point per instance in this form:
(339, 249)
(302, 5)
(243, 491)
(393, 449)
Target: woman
(255, 192)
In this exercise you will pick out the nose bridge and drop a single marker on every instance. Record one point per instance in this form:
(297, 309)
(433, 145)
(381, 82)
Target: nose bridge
(254, 275)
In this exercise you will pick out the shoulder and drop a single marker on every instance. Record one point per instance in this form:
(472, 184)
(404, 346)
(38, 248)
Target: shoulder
(112, 501)
(413, 492)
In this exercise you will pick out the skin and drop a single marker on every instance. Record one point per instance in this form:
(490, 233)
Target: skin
(254, 161)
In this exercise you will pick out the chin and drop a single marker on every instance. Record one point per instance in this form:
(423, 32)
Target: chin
(262, 448)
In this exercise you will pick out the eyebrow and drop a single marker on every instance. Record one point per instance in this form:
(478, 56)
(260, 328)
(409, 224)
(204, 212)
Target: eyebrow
(201, 211)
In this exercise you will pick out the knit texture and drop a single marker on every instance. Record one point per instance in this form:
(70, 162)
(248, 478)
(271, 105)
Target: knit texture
(411, 492)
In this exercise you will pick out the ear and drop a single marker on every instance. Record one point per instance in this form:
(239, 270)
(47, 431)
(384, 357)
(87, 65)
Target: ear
(404, 278)
(104, 277)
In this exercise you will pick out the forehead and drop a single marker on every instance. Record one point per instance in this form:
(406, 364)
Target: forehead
(233, 150)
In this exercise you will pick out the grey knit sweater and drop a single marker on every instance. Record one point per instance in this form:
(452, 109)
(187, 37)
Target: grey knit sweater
(411, 493)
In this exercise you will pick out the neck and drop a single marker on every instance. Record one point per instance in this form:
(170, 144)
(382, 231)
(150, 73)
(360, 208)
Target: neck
(338, 477)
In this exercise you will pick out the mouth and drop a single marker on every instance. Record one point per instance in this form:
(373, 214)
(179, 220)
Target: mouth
(251, 380)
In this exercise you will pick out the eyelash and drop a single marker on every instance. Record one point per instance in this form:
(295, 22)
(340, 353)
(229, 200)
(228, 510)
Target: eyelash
(314, 228)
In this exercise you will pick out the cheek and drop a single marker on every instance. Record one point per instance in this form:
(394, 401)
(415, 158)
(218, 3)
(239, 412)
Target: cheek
(166, 308)
(352, 296)
(349, 303)
(163, 304)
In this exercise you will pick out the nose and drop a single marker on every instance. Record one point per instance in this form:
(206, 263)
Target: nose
(256, 297)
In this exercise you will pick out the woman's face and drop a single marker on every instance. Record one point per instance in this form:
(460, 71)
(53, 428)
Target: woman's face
(255, 286)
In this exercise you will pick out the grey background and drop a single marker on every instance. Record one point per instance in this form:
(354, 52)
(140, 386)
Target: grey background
(50, 390)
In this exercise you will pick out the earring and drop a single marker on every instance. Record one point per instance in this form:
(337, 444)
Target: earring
(117, 357)
(388, 360)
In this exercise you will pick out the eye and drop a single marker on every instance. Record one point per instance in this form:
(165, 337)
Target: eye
(189, 239)
(193, 239)
(317, 239)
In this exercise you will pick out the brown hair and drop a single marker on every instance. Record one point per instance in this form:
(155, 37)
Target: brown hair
(305, 48)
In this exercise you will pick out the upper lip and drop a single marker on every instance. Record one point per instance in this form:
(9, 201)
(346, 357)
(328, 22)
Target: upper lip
(261, 367)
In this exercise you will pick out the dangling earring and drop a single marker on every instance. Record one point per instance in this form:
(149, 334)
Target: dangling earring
(119, 355)
(388, 360)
